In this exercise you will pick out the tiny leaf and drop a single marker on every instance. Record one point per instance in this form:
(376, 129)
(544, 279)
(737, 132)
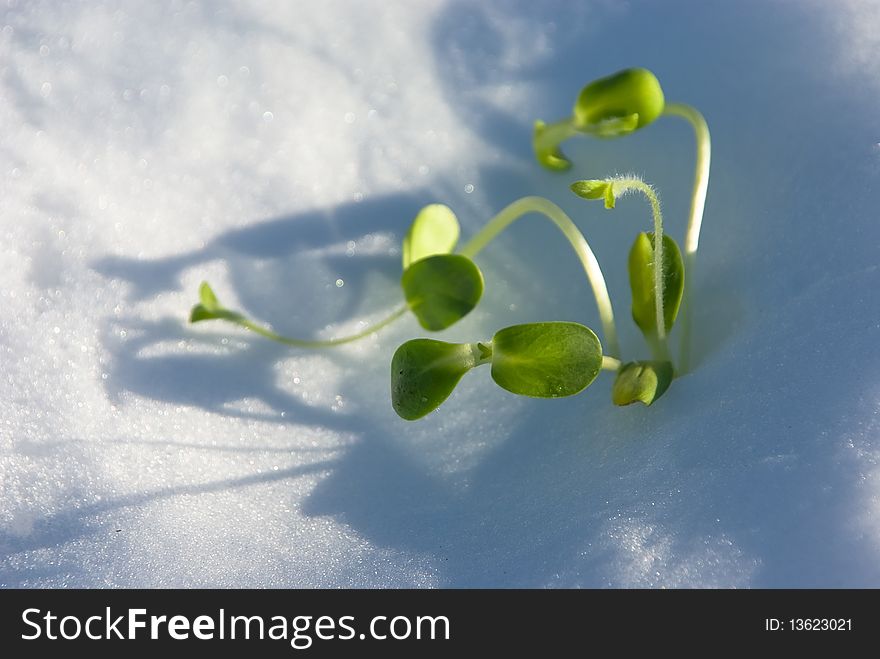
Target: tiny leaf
(199, 313)
(424, 372)
(642, 382)
(442, 289)
(592, 189)
(207, 297)
(209, 308)
(551, 158)
(595, 189)
(641, 280)
(434, 231)
(546, 360)
(609, 196)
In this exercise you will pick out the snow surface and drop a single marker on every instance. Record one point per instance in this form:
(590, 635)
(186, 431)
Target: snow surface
(275, 147)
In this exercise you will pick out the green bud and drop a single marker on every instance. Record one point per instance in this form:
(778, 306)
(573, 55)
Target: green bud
(619, 104)
(641, 280)
(641, 382)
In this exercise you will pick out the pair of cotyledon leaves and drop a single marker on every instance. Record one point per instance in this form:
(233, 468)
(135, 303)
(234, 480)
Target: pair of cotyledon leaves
(545, 360)
(613, 106)
(541, 360)
(440, 288)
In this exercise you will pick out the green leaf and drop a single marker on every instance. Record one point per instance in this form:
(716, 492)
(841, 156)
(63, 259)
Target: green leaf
(595, 189)
(591, 189)
(199, 313)
(424, 372)
(442, 289)
(434, 231)
(551, 158)
(619, 104)
(546, 360)
(642, 382)
(207, 297)
(209, 308)
(641, 280)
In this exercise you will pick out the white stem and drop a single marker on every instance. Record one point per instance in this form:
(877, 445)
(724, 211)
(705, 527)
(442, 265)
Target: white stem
(549, 138)
(698, 203)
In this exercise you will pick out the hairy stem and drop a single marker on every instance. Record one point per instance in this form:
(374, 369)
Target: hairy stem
(698, 203)
(239, 319)
(621, 186)
(556, 215)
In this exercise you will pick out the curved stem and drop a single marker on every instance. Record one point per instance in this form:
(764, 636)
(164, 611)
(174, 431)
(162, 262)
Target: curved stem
(698, 203)
(620, 186)
(242, 321)
(546, 141)
(588, 260)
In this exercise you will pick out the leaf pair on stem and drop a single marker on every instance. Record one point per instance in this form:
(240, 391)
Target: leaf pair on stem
(439, 288)
(543, 360)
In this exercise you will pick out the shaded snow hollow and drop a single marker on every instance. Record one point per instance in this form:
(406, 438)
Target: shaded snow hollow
(274, 148)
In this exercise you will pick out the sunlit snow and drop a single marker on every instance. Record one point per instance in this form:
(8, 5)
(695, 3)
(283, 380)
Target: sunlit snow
(280, 150)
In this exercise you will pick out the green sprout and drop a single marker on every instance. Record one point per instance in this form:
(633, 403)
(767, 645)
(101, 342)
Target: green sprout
(616, 106)
(439, 288)
(542, 360)
(656, 277)
(550, 359)
(656, 291)
(641, 382)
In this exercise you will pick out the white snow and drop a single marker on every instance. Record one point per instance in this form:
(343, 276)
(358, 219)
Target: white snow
(274, 148)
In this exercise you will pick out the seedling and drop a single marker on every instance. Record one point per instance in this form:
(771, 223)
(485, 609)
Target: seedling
(551, 359)
(439, 288)
(616, 106)
(608, 107)
(542, 360)
(656, 292)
